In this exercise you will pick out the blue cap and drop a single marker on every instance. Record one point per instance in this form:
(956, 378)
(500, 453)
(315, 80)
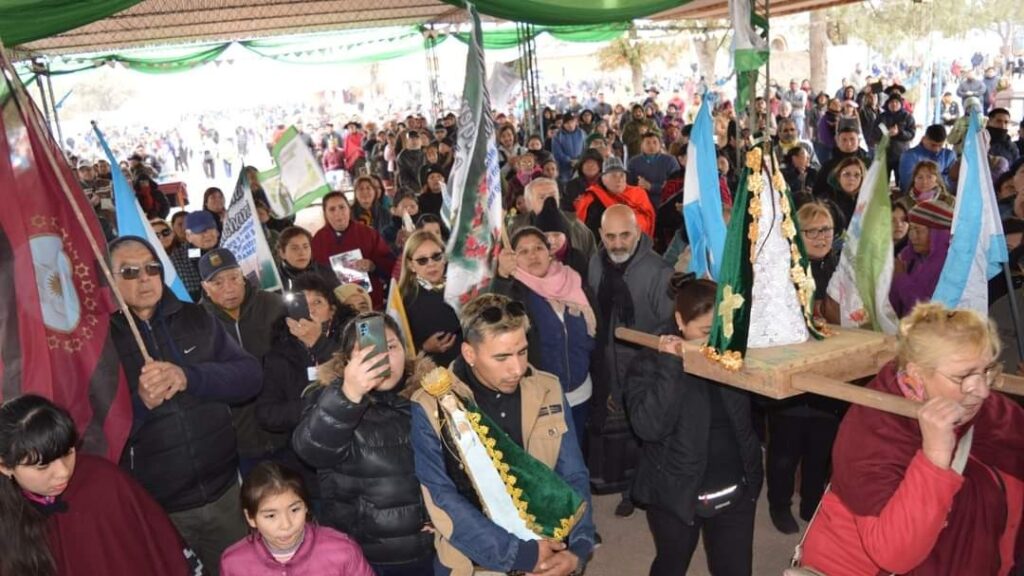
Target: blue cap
(216, 261)
(199, 222)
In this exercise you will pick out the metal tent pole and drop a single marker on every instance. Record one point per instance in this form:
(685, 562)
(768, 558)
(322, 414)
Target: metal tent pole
(53, 104)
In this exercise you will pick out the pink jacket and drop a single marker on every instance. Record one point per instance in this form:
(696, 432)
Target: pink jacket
(324, 552)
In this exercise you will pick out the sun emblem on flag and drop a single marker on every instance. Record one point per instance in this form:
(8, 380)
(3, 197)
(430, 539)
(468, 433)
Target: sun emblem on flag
(58, 297)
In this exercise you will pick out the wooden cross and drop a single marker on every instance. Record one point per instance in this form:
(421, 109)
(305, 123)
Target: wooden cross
(730, 304)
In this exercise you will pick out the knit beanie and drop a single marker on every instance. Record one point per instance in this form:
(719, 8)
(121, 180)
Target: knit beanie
(933, 214)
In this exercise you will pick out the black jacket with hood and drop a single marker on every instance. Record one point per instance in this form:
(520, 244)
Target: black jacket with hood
(184, 450)
(670, 411)
(364, 461)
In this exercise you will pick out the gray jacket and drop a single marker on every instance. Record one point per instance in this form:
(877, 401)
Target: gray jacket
(647, 276)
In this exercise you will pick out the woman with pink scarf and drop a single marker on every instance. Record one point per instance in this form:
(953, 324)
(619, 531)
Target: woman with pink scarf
(562, 320)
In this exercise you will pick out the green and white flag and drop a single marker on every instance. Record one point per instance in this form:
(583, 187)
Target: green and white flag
(243, 236)
(475, 185)
(861, 282)
(749, 47)
(297, 181)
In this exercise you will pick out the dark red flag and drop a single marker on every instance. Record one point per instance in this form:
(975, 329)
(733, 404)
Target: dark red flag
(55, 306)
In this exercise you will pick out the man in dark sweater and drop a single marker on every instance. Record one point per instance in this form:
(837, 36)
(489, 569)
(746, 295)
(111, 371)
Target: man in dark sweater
(182, 445)
(250, 317)
(651, 167)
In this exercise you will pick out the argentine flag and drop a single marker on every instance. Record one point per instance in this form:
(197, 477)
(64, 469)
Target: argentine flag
(132, 221)
(978, 248)
(702, 200)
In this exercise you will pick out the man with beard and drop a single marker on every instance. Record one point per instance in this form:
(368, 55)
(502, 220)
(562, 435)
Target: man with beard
(789, 137)
(631, 283)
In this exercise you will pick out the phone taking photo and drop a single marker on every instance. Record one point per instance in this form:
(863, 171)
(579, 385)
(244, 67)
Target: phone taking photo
(370, 334)
(297, 305)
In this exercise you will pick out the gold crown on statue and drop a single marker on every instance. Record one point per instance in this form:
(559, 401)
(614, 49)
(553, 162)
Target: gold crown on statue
(437, 382)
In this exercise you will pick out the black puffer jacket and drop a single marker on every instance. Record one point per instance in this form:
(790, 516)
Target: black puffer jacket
(671, 412)
(184, 451)
(363, 456)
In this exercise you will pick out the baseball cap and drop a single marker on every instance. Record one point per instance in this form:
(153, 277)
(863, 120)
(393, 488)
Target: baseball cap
(612, 164)
(199, 222)
(216, 261)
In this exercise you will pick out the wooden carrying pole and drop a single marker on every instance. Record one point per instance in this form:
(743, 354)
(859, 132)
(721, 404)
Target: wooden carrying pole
(806, 382)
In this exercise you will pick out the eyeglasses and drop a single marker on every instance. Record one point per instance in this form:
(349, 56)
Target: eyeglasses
(495, 314)
(814, 233)
(164, 233)
(986, 377)
(134, 272)
(435, 257)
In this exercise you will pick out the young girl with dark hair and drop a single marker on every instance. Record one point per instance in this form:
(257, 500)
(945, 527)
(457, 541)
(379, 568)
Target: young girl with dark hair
(283, 541)
(700, 473)
(67, 513)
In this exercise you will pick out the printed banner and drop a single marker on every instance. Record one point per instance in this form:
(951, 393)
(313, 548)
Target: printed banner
(298, 179)
(243, 236)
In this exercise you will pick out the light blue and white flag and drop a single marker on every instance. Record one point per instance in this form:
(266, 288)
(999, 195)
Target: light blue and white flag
(977, 250)
(132, 221)
(702, 199)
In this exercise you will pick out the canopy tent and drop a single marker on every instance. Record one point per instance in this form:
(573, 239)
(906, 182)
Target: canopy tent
(52, 27)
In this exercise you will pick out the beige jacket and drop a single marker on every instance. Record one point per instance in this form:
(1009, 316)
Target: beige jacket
(543, 427)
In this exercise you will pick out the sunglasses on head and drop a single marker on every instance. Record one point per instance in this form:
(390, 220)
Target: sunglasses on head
(164, 233)
(132, 272)
(435, 257)
(495, 314)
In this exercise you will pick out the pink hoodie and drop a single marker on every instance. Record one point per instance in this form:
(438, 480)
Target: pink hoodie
(323, 552)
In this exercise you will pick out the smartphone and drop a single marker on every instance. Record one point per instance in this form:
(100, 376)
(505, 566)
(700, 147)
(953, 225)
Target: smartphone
(370, 334)
(297, 305)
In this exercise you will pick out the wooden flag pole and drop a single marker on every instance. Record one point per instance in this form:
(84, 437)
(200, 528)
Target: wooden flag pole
(803, 382)
(30, 113)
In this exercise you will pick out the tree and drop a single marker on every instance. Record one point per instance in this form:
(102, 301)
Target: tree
(1005, 17)
(709, 39)
(818, 49)
(886, 24)
(634, 53)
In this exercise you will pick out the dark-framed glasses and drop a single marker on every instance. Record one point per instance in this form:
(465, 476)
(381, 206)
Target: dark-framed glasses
(131, 272)
(435, 257)
(815, 233)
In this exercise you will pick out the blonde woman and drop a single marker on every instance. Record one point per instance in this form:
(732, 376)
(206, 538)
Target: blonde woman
(434, 325)
(939, 495)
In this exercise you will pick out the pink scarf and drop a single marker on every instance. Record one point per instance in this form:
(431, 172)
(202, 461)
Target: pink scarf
(563, 289)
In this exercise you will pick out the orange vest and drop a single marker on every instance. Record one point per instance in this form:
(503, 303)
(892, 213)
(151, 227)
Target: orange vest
(633, 196)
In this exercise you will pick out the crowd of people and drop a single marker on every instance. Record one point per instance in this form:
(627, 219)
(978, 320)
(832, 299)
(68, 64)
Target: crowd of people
(266, 439)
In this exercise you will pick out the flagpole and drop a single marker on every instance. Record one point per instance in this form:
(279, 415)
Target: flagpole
(1011, 293)
(32, 115)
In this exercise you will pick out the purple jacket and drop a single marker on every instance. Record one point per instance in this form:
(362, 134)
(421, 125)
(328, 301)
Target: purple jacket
(324, 552)
(922, 276)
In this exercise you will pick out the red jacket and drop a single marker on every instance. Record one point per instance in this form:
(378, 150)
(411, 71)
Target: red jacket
(327, 243)
(892, 511)
(323, 552)
(112, 526)
(633, 196)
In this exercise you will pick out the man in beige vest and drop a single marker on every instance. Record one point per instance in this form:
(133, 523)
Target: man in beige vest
(529, 406)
